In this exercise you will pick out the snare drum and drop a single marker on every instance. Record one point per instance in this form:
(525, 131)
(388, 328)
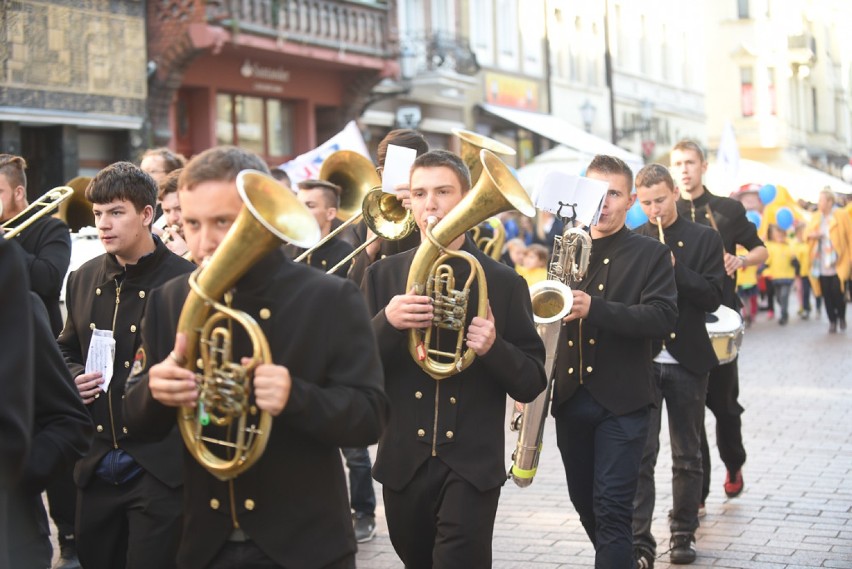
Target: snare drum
(725, 328)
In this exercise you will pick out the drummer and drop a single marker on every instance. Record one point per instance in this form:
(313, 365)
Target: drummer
(681, 366)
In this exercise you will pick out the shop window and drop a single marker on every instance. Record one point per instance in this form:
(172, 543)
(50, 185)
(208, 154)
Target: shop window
(264, 126)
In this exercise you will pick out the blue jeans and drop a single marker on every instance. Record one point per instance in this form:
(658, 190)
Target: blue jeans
(684, 393)
(782, 294)
(362, 497)
(601, 453)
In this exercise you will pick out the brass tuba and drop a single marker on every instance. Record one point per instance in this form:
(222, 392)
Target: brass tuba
(357, 177)
(77, 211)
(551, 302)
(496, 190)
(471, 144)
(270, 215)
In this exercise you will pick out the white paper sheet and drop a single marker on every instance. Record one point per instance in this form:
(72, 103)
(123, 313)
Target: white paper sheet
(565, 195)
(397, 170)
(101, 355)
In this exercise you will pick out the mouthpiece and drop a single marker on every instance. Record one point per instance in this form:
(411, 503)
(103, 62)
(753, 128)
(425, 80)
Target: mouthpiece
(432, 220)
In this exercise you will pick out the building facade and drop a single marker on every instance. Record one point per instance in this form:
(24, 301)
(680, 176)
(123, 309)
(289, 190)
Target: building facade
(275, 77)
(73, 86)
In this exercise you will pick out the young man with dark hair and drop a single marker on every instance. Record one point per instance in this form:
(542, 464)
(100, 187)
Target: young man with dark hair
(129, 498)
(322, 199)
(681, 366)
(323, 390)
(604, 383)
(441, 460)
(46, 244)
(728, 217)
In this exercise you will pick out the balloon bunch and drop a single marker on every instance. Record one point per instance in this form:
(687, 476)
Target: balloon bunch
(779, 208)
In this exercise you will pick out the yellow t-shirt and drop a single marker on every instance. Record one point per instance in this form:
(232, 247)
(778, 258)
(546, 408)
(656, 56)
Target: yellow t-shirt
(779, 265)
(532, 276)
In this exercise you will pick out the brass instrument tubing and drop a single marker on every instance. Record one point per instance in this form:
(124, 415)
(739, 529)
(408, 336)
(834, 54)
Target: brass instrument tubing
(660, 230)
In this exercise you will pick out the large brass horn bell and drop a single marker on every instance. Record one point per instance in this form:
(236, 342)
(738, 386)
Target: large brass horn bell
(497, 190)
(271, 215)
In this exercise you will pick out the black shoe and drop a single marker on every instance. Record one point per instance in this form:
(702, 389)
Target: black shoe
(644, 558)
(842, 324)
(832, 328)
(365, 527)
(682, 550)
(67, 557)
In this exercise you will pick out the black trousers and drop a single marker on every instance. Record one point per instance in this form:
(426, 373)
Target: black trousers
(835, 303)
(441, 520)
(723, 390)
(135, 525)
(247, 555)
(62, 501)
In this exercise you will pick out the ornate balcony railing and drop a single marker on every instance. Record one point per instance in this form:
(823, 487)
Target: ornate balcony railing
(337, 25)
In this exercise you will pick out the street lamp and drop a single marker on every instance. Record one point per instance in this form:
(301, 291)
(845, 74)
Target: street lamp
(587, 111)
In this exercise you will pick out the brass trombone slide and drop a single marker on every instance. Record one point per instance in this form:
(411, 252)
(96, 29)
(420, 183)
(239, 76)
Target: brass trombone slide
(48, 202)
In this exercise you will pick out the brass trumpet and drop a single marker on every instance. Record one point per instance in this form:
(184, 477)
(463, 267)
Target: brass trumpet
(385, 215)
(270, 215)
(496, 190)
(356, 176)
(44, 205)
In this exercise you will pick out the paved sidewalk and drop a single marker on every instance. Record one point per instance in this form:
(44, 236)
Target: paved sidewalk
(796, 510)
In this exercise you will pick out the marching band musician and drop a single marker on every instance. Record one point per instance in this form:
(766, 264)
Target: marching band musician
(728, 217)
(167, 194)
(322, 199)
(324, 391)
(441, 459)
(16, 382)
(129, 498)
(681, 366)
(604, 385)
(46, 244)
(62, 432)
(381, 248)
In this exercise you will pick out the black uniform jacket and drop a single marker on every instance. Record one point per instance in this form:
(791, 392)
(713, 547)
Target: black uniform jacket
(62, 432)
(460, 419)
(332, 252)
(104, 295)
(16, 368)
(634, 301)
(16, 380)
(292, 503)
(358, 234)
(699, 274)
(47, 252)
(736, 229)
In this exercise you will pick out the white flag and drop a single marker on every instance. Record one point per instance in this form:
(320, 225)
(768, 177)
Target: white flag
(308, 164)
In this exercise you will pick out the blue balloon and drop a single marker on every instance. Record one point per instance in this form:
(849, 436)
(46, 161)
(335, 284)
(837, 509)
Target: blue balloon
(635, 216)
(767, 193)
(753, 217)
(784, 218)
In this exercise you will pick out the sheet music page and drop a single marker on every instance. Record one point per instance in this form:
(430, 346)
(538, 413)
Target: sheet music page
(397, 170)
(101, 355)
(566, 195)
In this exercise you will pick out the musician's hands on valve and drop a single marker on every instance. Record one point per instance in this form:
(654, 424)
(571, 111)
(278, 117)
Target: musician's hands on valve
(169, 382)
(89, 386)
(272, 385)
(580, 306)
(481, 333)
(406, 311)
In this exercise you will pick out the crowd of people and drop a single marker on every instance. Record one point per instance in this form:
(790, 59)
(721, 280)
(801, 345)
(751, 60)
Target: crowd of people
(101, 404)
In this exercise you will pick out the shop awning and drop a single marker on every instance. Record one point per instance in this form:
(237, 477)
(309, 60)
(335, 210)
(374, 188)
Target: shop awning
(52, 116)
(561, 131)
(802, 181)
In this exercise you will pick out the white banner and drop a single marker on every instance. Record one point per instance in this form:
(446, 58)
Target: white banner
(308, 164)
